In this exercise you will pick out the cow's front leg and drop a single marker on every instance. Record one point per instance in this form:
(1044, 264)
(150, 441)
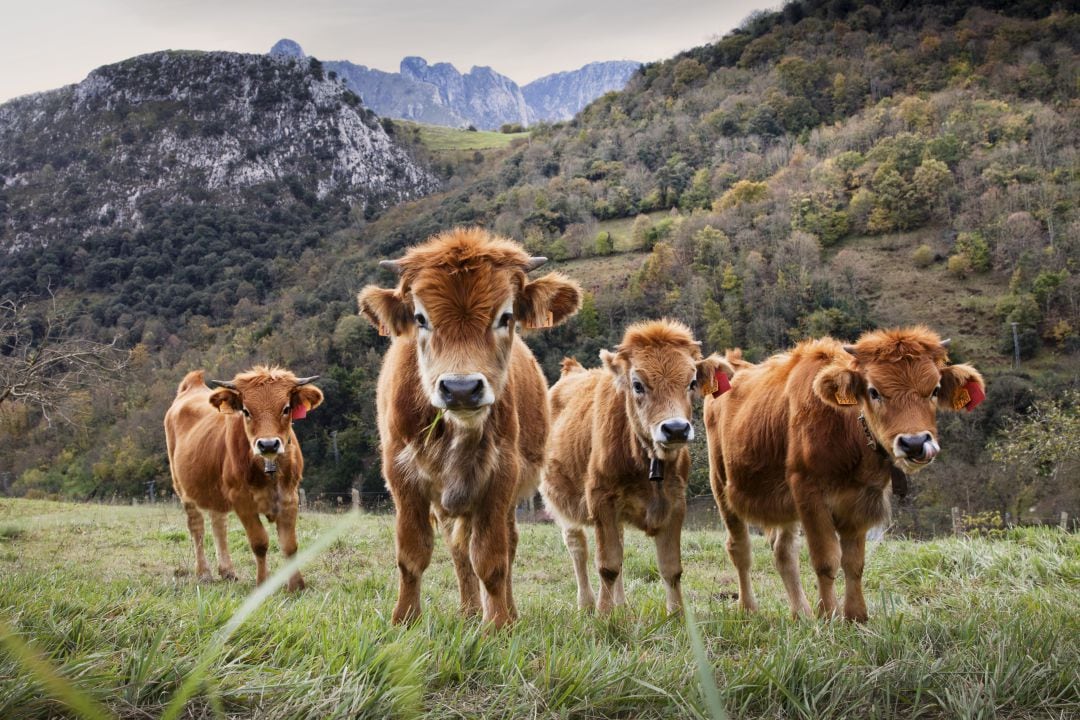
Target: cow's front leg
(489, 552)
(609, 555)
(197, 528)
(852, 557)
(669, 558)
(738, 544)
(219, 522)
(257, 537)
(286, 532)
(456, 532)
(511, 554)
(414, 539)
(821, 540)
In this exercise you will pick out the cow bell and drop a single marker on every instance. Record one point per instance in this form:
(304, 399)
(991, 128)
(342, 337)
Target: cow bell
(656, 469)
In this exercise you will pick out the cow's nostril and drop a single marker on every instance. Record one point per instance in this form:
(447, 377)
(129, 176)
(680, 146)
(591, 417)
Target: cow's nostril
(914, 445)
(268, 445)
(675, 430)
(462, 392)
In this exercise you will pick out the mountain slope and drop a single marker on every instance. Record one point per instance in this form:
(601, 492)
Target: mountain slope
(561, 96)
(189, 128)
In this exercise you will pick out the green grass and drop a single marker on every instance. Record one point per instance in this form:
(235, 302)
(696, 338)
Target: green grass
(959, 628)
(437, 138)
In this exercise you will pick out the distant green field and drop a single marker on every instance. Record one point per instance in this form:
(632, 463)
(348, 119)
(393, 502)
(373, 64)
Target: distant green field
(443, 139)
(959, 628)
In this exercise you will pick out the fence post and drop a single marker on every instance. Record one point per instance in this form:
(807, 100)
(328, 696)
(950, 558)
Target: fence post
(134, 502)
(303, 498)
(957, 523)
(355, 499)
(1064, 521)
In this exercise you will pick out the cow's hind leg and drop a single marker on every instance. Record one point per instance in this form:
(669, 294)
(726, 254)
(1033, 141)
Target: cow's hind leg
(618, 593)
(738, 547)
(669, 559)
(258, 539)
(219, 523)
(197, 528)
(578, 547)
(511, 554)
(786, 557)
(852, 557)
(286, 532)
(456, 534)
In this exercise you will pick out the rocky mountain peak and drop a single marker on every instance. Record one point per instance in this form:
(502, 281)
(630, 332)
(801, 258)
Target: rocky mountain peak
(287, 48)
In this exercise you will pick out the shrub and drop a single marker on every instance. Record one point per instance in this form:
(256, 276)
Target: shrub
(923, 256)
(960, 265)
(742, 192)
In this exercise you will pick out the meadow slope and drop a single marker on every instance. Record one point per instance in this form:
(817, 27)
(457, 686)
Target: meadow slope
(969, 628)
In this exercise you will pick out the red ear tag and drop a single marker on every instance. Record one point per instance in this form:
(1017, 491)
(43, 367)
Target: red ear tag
(722, 383)
(977, 395)
(299, 412)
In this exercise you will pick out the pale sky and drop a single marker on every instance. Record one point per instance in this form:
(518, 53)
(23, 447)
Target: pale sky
(48, 43)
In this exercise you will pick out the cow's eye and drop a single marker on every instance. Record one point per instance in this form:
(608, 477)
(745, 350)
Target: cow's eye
(504, 320)
(639, 389)
(285, 411)
(246, 412)
(421, 320)
(933, 395)
(874, 394)
(693, 385)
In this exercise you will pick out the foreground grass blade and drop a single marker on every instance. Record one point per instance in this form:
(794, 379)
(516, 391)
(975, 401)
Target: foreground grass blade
(709, 690)
(274, 583)
(59, 687)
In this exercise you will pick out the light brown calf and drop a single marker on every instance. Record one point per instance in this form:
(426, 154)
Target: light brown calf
(618, 452)
(463, 417)
(233, 448)
(817, 436)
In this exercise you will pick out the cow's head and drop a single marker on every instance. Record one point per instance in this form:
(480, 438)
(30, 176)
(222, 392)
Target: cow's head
(658, 369)
(899, 379)
(269, 399)
(461, 296)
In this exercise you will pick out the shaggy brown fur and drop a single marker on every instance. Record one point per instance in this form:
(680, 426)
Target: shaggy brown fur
(215, 465)
(786, 446)
(469, 468)
(603, 436)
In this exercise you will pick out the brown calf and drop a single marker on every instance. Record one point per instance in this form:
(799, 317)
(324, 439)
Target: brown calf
(817, 435)
(618, 452)
(463, 416)
(233, 448)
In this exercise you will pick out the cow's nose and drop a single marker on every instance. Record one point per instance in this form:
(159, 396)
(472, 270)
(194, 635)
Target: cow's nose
(914, 446)
(267, 446)
(462, 392)
(675, 430)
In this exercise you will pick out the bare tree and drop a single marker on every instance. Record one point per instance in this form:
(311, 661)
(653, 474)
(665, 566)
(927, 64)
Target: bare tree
(44, 366)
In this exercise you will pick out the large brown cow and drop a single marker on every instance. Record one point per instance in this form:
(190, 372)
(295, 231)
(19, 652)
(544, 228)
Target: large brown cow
(463, 416)
(233, 448)
(618, 452)
(817, 436)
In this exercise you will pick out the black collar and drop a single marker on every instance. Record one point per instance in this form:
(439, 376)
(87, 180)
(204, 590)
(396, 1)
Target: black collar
(899, 478)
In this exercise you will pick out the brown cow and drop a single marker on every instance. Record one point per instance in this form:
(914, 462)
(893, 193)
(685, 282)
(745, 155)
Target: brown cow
(618, 452)
(463, 416)
(818, 435)
(233, 448)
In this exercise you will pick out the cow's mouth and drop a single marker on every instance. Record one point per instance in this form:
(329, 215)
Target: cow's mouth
(468, 417)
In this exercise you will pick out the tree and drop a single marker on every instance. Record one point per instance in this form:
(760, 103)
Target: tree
(43, 364)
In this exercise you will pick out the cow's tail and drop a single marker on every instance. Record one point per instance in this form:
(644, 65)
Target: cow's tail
(571, 365)
(192, 379)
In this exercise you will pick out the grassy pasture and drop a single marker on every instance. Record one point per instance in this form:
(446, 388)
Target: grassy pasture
(437, 138)
(968, 628)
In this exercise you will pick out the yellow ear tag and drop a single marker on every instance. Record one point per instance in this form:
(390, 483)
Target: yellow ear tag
(845, 398)
(961, 398)
(549, 320)
(383, 330)
(709, 386)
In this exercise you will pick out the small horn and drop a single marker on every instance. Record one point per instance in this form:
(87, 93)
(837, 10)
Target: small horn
(945, 342)
(391, 265)
(305, 381)
(228, 384)
(534, 262)
(850, 349)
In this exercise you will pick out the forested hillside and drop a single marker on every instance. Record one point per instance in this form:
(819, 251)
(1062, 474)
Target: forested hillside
(822, 169)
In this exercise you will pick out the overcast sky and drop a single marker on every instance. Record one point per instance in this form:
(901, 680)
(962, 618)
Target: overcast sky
(48, 43)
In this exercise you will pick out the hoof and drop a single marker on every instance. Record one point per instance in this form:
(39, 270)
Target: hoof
(228, 574)
(205, 577)
(296, 583)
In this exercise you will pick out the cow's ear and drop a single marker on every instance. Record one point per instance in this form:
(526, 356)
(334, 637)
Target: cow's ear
(617, 365)
(548, 301)
(839, 386)
(385, 309)
(225, 400)
(308, 396)
(962, 388)
(713, 375)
